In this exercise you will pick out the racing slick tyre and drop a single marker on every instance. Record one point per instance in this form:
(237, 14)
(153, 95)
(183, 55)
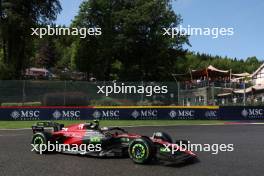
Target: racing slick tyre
(40, 141)
(141, 150)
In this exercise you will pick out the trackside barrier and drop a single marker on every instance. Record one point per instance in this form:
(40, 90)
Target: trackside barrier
(241, 113)
(132, 113)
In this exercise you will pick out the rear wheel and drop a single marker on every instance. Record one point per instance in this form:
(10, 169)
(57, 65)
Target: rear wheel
(141, 150)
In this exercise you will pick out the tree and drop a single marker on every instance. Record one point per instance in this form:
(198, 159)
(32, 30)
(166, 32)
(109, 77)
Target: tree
(46, 55)
(197, 61)
(252, 60)
(132, 36)
(17, 19)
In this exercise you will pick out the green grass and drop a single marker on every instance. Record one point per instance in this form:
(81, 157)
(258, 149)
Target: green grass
(22, 104)
(28, 124)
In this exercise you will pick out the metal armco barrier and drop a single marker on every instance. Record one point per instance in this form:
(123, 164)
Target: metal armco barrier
(132, 113)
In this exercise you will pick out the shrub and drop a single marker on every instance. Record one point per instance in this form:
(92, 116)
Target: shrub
(22, 104)
(108, 101)
(144, 103)
(5, 72)
(150, 103)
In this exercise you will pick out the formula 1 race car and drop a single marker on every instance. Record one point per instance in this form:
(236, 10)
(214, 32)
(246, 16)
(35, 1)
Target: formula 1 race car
(113, 141)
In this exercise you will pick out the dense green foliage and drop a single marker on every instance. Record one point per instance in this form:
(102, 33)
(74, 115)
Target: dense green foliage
(194, 61)
(17, 17)
(131, 39)
(131, 47)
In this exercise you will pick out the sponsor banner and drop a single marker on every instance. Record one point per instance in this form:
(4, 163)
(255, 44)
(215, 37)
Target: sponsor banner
(131, 113)
(88, 113)
(43, 113)
(155, 114)
(242, 113)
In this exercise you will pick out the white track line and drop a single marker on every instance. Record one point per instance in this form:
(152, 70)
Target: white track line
(134, 126)
(130, 126)
(12, 135)
(15, 129)
(205, 124)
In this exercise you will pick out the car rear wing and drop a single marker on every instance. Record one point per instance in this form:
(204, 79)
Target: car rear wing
(41, 126)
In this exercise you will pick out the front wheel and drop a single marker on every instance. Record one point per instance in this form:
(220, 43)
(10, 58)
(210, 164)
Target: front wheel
(141, 150)
(39, 140)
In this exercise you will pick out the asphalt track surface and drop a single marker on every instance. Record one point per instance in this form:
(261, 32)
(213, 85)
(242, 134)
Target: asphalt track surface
(16, 158)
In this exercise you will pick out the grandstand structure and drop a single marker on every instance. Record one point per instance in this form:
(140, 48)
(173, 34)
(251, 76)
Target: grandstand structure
(212, 86)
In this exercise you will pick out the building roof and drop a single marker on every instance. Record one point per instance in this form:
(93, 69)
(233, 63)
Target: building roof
(38, 69)
(245, 74)
(250, 89)
(258, 70)
(224, 94)
(241, 91)
(210, 71)
(212, 68)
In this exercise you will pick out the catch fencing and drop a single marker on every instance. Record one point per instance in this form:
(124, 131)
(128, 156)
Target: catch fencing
(83, 93)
